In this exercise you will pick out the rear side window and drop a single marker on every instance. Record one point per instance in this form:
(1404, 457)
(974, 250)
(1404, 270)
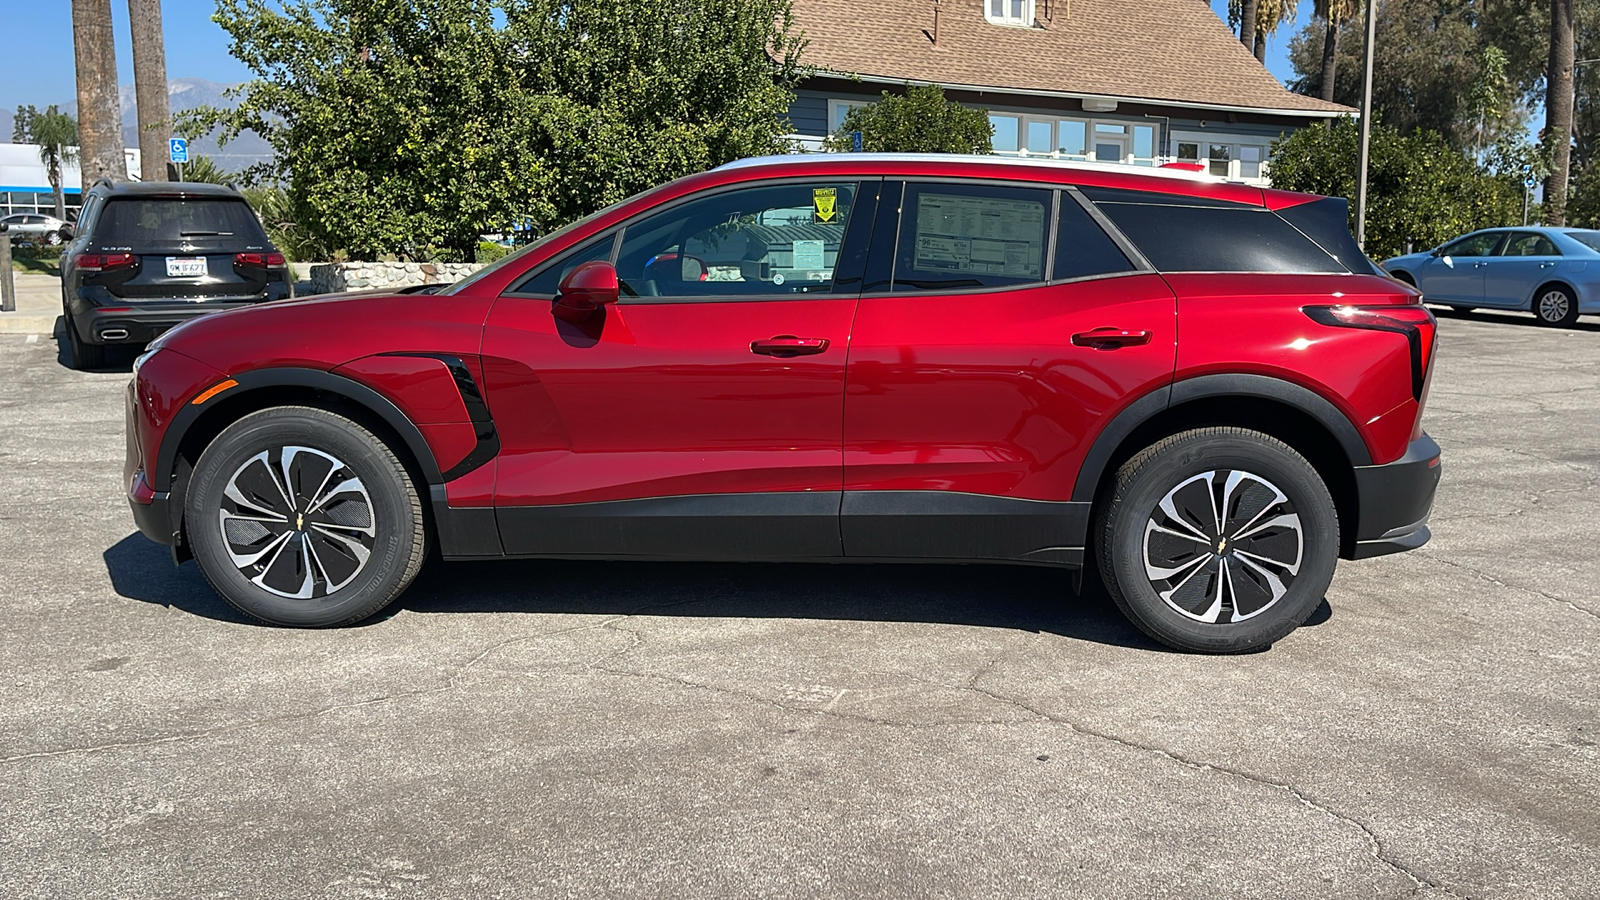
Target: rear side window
(961, 237)
(1083, 249)
(1529, 244)
(158, 219)
(1180, 235)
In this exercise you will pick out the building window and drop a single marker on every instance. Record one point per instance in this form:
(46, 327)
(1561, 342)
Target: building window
(1009, 12)
(1234, 161)
(1103, 140)
(837, 111)
(1005, 133)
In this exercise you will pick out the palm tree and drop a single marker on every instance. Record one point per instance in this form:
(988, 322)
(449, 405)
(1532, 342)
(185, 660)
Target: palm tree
(1333, 13)
(150, 87)
(57, 136)
(1558, 111)
(1247, 22)
(99, 106)
(1269, 14)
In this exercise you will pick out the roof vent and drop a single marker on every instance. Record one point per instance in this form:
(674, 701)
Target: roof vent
(1099, 104)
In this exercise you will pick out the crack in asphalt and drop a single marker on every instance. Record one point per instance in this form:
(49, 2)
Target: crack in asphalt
(1375, 844)
(1515, 587)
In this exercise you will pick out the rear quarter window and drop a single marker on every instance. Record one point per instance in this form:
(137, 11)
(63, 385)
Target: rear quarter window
(1180, 235)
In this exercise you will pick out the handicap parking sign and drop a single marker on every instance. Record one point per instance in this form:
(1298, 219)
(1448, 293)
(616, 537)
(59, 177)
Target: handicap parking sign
(180, 150)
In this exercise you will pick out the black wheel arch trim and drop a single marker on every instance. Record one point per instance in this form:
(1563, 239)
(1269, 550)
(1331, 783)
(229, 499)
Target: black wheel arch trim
(1168, 396)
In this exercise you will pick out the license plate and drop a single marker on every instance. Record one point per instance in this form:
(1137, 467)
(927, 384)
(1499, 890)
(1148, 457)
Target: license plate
(186, 266)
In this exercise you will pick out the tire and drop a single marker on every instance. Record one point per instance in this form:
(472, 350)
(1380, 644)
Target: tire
(348, 544)
(1555, 305)
(84, 354)
(1178, 588)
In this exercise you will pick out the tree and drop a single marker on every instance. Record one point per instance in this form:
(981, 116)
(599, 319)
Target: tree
(99, 104)
(56, 134)
(1558, 111)
(920, 121)
(150, 87)
(406, 129)
(1490, 100)
(1420, 189)
(1270, 15)
(1247, 23)
(1333, 13)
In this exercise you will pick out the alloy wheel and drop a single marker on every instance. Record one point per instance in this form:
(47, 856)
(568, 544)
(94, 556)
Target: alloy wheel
(1553, 306)
(1223, 546)
(297, 522)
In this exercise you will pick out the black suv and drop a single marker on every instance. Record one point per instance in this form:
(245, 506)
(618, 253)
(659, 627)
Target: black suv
(146, 257)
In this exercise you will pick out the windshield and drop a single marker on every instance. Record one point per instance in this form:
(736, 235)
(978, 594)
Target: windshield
(1590, 239)
(561, 232)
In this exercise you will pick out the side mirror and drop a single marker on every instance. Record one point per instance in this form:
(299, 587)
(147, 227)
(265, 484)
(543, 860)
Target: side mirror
(586, 289)
(1437, 251)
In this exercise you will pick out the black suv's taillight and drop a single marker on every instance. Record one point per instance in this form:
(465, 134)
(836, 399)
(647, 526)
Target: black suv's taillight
(104, 262)
(259, 260)
(1416, 323)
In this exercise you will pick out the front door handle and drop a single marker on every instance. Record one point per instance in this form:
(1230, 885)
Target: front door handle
(789, 345)
(1106, 338)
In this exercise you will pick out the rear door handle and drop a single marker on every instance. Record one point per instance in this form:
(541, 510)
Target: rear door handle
(1105, 338)
(789, 345)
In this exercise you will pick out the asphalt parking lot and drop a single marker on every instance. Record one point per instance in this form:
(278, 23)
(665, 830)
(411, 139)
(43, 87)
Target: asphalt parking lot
(538, 729)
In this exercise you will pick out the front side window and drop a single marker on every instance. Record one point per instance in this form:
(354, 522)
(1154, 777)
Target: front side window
(546, 281)
(1529, 244)
(1473, 245)
(956, 237)
(773, 240)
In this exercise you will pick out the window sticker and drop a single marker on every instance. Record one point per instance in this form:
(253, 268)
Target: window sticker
(979, 234)
(808, 255)
(823, 202)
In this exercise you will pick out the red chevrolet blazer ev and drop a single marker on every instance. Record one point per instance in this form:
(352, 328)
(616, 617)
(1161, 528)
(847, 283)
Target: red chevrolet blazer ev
(1203, 390)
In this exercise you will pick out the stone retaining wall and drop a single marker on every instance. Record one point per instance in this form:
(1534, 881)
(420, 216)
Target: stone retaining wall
(333, 278)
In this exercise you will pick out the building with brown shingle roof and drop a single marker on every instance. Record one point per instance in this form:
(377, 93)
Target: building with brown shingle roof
(1139, 82)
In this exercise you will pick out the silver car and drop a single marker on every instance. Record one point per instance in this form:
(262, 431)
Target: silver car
(1553, 273)
(39, 227)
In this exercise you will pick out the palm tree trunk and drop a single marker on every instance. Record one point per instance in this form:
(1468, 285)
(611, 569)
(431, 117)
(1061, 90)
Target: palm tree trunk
(99, 107)
(150, 87)
(1247, 23)
(1330, 59)
(54, 170)
(1261, 46)
(1558, 111)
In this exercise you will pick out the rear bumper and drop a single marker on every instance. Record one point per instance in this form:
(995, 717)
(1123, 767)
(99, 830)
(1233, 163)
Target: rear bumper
(1395, 500)
(104, 319)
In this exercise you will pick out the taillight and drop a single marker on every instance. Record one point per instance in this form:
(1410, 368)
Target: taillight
(259, 260)
(1414, 322)
(104, 262)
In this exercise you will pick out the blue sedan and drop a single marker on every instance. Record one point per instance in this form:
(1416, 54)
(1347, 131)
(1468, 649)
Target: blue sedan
(1552, 272)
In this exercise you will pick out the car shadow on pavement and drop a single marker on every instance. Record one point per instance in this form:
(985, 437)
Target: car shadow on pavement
(1021, 598)
(1526, 320)
(118, 358)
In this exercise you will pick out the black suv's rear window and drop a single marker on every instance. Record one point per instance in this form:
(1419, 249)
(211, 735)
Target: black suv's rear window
(163, 219)
(1179, 234)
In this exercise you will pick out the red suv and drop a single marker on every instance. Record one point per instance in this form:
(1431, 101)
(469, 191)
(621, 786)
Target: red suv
(1203, 390)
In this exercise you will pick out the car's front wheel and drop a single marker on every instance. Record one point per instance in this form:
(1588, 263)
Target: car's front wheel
(1218, 540)
(298, 516)
(1555, 305)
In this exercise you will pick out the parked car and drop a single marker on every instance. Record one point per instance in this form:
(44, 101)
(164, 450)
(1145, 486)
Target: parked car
(1203, 391)
(36, 227)
(1552, 272)
(147, 256)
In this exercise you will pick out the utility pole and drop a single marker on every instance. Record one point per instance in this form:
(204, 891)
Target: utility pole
(150, 87)
(100, 152)
(1366, 125)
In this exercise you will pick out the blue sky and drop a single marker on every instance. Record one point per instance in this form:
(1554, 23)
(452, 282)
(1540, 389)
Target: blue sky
(38, 68)
(1277, 44)
(39, 52)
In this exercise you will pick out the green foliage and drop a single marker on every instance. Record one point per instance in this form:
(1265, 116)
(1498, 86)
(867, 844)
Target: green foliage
(489, 251)
(272, 206)
(1419, 188)
(1583, 202)
(56, 133)
(408, 127)
(921, 121)
(204, 170)
(44, 259)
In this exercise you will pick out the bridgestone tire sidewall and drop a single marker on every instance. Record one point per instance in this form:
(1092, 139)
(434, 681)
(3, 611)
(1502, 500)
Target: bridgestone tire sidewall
(387, 485)
(1202, 452)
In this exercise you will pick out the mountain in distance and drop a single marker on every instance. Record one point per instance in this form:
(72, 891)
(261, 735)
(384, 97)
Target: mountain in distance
(242, 152)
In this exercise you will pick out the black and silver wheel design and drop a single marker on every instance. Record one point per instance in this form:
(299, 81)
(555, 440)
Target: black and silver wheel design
(297, 522)
(1554, 305)
(1223, 546)
(1218, 539)
(300, 516)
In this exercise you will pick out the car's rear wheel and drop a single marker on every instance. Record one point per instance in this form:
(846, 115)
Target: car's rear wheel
(1218, 540)
(1555, 305)
(84, 354)
(298, 516)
